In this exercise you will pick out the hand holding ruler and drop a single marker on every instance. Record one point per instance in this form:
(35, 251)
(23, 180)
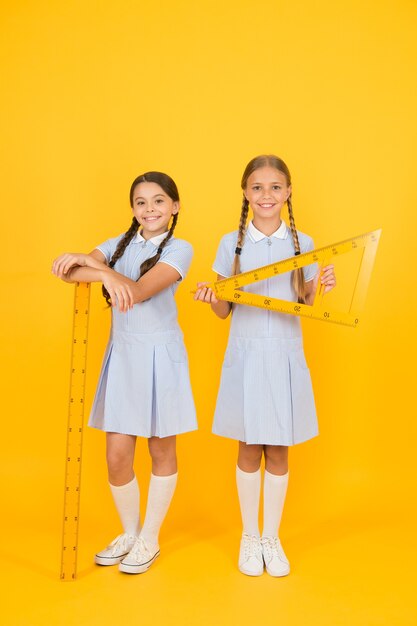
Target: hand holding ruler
(230, 288)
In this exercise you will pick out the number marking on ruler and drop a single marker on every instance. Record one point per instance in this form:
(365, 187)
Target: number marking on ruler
(230, 288)
(75, 433)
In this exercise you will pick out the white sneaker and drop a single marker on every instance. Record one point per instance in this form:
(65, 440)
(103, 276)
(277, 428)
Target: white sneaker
(276, 562)
(115, 551)
(140, 558)
(250, 556)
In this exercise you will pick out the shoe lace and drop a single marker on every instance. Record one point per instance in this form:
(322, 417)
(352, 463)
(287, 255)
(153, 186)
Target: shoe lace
(121, 543)
(140, 549)
(272, 547)
(250, 545)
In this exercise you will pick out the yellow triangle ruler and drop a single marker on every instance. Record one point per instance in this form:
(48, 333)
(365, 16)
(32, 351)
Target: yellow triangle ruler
(231, 288)
(75, 433)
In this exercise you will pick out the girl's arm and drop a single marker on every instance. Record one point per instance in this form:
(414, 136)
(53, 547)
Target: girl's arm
(90, 268)
(123, 291)
(155, 280)
(327, 278)
(221, 308)
(76, 267)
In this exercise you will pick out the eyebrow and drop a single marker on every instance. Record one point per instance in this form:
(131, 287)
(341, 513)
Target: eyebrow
(143, 198)
(274, 182)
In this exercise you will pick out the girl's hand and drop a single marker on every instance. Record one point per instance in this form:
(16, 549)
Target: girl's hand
(64, 263)
(205, 294)
(327, 278)
(120, 290)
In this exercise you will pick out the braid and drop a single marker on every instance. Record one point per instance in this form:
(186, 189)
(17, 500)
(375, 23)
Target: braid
(298, 275)
(150, 263)
(240, 236)
(121, 247)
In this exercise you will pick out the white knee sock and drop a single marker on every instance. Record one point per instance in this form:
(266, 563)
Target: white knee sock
(161, 490)
(249, 489)
(126, 499)
(275, 488)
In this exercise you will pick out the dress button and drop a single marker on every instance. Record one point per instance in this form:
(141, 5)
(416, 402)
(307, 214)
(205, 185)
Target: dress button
(269, 242)
(144, 244)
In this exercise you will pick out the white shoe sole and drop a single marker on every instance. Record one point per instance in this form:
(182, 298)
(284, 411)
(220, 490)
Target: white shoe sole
(281, 574)
(137, 569)
(109, 560)
(249, 573)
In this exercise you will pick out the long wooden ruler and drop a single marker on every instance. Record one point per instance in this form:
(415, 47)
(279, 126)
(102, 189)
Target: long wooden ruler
(231, 288)
(75, 432)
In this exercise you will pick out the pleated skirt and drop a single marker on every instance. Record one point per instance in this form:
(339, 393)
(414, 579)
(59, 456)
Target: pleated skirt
(144, 386)
(265, 395)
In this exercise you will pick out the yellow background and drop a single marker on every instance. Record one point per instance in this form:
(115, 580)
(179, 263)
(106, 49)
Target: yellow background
(96, 93)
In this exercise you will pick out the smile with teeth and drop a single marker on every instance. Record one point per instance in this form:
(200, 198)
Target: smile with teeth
(267, 205)
(151, 218)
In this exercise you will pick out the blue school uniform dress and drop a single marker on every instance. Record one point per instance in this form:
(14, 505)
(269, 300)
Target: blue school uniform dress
(265, 394)
(144, 386)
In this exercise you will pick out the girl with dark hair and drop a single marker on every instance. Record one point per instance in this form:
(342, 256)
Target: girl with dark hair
(265, 399)
(144, 387)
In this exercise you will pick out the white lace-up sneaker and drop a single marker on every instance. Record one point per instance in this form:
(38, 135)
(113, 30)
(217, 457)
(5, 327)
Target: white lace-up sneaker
(140, 558)
(276, 562)
(115, 551)
(250, 556)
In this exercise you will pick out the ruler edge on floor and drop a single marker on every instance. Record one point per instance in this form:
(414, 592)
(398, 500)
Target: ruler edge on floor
(370, 238)
(87, 287)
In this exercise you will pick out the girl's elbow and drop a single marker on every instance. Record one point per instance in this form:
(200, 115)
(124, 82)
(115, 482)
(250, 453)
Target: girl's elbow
(138, 296)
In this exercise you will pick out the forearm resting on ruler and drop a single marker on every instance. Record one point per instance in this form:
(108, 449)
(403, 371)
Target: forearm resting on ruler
(85, 275)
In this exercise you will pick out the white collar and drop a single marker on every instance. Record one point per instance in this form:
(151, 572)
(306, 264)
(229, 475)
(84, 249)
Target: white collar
(256, 235)
(155, 240)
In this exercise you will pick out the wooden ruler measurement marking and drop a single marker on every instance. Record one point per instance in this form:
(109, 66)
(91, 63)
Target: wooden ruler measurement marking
(231, 288)
(75, 432)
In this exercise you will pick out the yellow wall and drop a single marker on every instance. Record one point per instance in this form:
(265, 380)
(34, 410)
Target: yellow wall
(98, 92)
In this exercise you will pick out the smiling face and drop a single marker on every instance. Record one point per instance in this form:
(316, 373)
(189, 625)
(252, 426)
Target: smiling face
(153, 208)
(267, 191)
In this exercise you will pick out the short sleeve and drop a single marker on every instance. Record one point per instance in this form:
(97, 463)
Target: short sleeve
(224, 258)
(178, 254)
(309, 270)
(108, 248)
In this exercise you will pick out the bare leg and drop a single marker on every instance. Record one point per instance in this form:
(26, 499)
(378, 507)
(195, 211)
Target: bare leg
(120, 456)
(164, 455)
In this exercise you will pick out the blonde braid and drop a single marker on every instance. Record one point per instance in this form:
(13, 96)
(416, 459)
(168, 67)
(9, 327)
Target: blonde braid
(240, 236)
(298, 280)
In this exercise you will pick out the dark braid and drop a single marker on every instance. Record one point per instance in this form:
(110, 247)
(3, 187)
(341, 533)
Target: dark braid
(149, 263)
(170, 188)
(298, 275)
(241, 236)
(121, 247)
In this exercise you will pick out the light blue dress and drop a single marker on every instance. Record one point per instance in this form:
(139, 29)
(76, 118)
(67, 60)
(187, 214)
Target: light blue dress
(265, 394)
(144, 386)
